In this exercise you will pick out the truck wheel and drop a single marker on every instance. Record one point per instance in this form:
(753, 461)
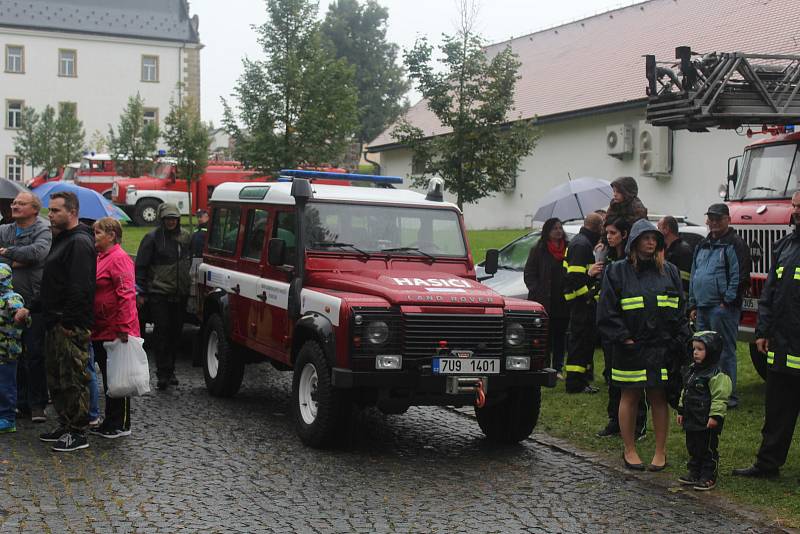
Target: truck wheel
(512, 419)
(321, 412)
(759, 361)
(146, 212)
(222, 369)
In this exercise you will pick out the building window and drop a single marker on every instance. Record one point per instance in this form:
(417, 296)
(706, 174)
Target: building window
(68, 107)
(151, 116)
(15, 59)
(149, 68)
(14, 114)
(14, 168)
(68, 63)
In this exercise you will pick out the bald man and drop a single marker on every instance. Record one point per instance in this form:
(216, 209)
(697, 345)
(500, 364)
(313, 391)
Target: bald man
(580, 289)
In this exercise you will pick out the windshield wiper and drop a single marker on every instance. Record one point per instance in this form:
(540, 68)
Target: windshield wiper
(328, 244)
(410, 249)
(762, 188)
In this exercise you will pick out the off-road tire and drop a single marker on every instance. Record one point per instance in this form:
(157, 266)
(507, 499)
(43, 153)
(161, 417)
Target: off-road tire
(145, 213)
(332, 414)
(226, 379)
(512, 419)
(759, 360)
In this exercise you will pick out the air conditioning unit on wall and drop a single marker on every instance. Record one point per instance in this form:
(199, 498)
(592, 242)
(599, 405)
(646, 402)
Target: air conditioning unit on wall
(619, 140)
(655, 150)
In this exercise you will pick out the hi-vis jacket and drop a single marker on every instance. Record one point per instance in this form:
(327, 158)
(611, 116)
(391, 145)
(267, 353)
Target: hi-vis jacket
(779, 306)
(580, 256)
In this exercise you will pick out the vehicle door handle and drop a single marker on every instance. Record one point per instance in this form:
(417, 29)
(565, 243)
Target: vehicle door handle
(236, 289)
(262, 296)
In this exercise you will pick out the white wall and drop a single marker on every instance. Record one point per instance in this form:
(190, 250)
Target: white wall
(578, 147)
(108, 72)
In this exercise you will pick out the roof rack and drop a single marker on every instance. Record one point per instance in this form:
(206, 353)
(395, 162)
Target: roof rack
(287, 175)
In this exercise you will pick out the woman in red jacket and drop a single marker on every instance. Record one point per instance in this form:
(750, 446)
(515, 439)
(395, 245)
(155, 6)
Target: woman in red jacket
(115, 316)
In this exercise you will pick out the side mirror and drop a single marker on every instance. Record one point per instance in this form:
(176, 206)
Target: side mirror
(491, 261)
(276, 252)
(733, 175)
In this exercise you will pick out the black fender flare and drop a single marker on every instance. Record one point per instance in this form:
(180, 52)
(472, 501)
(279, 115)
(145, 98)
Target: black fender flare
(318, 327)
(217, 301)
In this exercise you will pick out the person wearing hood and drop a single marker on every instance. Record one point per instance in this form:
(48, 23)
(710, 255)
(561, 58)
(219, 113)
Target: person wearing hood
(580, 290)
(702, 408)
(641, 316)
(162, 283)
(778, 336)
(625, 202)
(10, 349)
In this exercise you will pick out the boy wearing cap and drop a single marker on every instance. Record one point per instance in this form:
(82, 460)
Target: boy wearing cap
(720, 276)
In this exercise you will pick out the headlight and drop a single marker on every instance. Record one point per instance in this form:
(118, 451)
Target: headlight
(538, 322)
(515, 334)
(377, 332)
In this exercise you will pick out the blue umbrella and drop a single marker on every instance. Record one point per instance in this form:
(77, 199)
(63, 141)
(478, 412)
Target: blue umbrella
(92, 204)
(574, 199)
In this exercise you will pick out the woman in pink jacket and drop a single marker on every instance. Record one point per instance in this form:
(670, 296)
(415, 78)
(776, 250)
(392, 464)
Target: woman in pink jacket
(115, 316)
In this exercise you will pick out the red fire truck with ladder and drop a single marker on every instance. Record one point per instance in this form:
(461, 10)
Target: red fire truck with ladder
(740, 91)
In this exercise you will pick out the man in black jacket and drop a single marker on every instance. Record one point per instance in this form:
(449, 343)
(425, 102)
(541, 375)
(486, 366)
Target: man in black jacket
(66, 301)
(678, 251)
(778, 336)
(580, 291)
(162, 283)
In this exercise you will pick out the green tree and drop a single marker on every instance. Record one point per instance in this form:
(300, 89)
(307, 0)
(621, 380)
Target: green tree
(134, 144)
(26, 141)
(357, 32)
(473, 96)
(299, 105)
(188, 139)
(46, 140)
(68, 137)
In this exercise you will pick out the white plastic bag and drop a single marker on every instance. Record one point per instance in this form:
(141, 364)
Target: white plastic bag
(127, 371)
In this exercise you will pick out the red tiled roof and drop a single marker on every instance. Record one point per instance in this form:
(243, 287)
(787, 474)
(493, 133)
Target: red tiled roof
(597, 62)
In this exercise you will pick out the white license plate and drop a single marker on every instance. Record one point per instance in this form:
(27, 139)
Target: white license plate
(466, 366)
(750, 304)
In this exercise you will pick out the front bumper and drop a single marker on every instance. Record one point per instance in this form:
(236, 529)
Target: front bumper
(430, 383)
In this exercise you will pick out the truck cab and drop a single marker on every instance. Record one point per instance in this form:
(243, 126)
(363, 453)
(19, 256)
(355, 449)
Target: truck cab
(66, 173)
(97, 172)
(368, 296)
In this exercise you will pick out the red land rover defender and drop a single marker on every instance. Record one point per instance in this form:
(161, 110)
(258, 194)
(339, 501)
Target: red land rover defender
(368, 295)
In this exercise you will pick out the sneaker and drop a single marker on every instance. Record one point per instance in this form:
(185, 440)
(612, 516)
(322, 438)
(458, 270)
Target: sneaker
(7, 426)
(110, 433)
(705, 484)
(587, 389)
(611, 429)
(95, 423)
(733, 403)
(53, 435)
(38, 416)
(689, 479)
(71, 441)
(640, 433)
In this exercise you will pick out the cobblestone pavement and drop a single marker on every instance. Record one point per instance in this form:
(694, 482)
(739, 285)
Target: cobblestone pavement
(201, 464)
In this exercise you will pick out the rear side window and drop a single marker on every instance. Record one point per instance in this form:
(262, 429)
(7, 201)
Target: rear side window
(224, 230)
(254, 234)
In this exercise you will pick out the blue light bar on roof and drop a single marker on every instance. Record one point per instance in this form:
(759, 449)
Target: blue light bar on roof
(348, 177)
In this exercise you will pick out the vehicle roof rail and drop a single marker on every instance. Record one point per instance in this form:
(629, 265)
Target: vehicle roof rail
(287, 175)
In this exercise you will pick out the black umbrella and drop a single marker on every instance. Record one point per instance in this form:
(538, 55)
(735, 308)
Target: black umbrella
(10, 188)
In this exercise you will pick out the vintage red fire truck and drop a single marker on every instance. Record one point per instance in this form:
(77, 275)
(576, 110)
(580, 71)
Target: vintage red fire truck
(734, 90)
(368, 296)
(98, 172)
(140, 197)
(66, 173)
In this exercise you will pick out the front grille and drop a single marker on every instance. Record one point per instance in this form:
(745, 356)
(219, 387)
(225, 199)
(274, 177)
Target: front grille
(482, 334)
(760, 239)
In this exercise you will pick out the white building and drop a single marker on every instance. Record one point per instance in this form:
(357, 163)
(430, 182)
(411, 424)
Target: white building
(93, 54)
(585, 79)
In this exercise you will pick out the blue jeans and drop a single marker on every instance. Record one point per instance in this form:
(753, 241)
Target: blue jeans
(724, 321)
(94, 395)
(8, 391)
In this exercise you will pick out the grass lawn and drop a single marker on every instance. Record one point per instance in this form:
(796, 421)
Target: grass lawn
(132, 235)
(481, 240)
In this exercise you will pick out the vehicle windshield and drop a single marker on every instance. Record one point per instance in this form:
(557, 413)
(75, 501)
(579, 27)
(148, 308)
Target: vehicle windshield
(392, 230)
(767, 172)
(514, 255)
(69, 173)
(162, 170)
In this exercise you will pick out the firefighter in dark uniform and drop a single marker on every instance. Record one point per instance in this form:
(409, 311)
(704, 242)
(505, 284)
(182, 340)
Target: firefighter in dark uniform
(678, 252)
(642, 316)
(580, 291)
(778, 336)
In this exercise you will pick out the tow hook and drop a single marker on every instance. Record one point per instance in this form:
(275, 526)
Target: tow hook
(480, 396)
(458, 385)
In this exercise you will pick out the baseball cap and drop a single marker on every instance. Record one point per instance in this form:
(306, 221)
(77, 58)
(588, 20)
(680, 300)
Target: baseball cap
(200, 212)
(718, 209)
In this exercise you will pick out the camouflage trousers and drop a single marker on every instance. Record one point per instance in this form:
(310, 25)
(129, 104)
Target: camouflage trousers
(66, 359)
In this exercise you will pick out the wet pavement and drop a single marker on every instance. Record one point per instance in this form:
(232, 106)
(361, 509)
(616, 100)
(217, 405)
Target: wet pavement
(195, 463)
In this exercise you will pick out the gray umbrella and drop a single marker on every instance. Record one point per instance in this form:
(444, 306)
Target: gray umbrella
(574, 199)
(10, 188)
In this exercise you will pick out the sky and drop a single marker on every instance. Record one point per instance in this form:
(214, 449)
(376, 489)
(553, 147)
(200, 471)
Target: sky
(226, 31)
